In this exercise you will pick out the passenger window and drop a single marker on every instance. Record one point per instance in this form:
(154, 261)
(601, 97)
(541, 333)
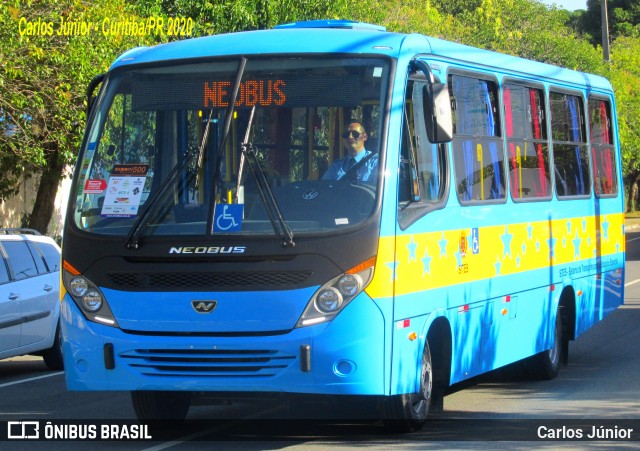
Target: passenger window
(423, 165)
(37, 258)
(570, 159)
(51, 256)
(477, 145)
(4, 273)
(527, 145)
(604, 160)
(20, 259)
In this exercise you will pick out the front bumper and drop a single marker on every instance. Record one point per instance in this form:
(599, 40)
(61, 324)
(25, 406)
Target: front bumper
(344, 356)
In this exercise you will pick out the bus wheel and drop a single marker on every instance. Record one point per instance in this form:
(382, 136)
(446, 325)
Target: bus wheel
(407, 413)
(161, 405)
(546, 365)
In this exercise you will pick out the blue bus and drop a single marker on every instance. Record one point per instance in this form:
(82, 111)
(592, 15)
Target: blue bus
(328, 209)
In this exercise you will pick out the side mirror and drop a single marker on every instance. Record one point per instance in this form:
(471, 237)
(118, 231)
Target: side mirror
(437, 112)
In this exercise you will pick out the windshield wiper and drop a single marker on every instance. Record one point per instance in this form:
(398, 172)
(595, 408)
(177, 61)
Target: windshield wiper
(280, 226)
(278, 223)
(133, 239)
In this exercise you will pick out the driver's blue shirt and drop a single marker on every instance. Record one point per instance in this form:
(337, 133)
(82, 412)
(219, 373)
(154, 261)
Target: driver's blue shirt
(368, 172)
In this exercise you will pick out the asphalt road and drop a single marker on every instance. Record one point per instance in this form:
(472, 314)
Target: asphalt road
(600, 386)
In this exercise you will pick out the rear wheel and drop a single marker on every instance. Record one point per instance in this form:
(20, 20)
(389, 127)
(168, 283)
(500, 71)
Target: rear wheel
(546, 365)
(53, 356)
(407, 413)
(161, 405)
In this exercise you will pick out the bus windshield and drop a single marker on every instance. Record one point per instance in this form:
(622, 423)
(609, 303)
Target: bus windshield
(216, 148)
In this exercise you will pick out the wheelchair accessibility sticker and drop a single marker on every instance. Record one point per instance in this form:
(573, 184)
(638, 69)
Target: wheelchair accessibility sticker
(228, 217)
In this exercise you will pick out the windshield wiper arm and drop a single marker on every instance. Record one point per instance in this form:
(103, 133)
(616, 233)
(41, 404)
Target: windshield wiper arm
(280, 226)
(133, 239)
(223, 140)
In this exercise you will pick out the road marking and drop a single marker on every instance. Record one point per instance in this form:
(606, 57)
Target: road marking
(633, 239)
(633, 282)
(187, 438)
(31, 379)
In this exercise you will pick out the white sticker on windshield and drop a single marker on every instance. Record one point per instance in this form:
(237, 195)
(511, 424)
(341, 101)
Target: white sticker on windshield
(124, 190)
(342, 221)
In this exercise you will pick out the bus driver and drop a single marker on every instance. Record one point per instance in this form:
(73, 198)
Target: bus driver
(366, 162)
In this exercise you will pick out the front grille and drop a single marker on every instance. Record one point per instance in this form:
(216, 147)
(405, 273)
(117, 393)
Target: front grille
(209, 279)
(207, 362)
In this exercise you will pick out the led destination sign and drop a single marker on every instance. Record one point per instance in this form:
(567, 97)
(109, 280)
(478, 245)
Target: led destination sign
(266, 93)
(193, 93)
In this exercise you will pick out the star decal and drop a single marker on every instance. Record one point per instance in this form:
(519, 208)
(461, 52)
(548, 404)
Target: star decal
(426, 263)
(458, 256)
(393, 266)
(498, 266)
(576, 246)
(412, 247)
(506, 241)
(552, 244)
(605, 228)
(443, 246)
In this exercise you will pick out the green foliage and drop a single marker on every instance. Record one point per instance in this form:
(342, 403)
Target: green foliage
(625, 77)
(624, 19)
(225, 16)
(43, 81)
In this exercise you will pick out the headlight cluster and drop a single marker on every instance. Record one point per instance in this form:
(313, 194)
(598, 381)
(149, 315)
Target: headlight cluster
(87, 296)
(334, 295)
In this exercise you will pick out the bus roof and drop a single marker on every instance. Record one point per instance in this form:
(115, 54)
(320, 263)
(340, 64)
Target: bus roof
(340, 36)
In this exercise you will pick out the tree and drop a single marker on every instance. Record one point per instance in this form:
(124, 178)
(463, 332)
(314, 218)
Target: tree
(625, 77)
(624, 19)
(226, 16)
(42, 83)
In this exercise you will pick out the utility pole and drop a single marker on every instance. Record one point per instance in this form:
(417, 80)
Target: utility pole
(605, 30)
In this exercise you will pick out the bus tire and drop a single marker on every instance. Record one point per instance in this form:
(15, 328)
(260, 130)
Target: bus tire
(546, 365)
(53, 356)
(161, 405)
(408, 413)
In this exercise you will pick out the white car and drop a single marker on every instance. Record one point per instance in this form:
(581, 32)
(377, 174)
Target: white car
(29, 296)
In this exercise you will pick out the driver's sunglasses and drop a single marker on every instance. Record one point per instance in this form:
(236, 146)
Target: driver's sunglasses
(355, 133)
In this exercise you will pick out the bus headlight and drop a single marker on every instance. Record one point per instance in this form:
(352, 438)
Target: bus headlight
(332, 297)
(329, 300)
(92, 301)
(87, 296)
(78, 286)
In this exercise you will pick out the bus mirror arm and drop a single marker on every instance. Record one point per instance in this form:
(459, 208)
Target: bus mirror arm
(90, 89)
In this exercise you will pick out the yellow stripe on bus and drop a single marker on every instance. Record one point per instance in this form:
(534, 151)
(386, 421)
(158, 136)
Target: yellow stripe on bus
(445, 258)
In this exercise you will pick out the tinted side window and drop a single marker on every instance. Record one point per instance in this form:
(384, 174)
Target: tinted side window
(527, 146)
(423, 165)
(51, 256)
(37, 257)
(477, 144)
(4, 274)
(20, 259)
(604, 156)
(570, 156)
